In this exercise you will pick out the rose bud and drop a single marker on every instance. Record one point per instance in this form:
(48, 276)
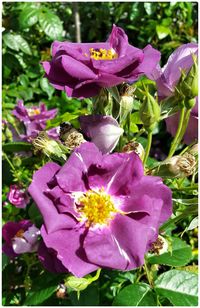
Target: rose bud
(18, 196)
(103, 131)
(189, 85)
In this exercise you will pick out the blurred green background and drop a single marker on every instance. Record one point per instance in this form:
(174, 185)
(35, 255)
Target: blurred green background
(29, 29)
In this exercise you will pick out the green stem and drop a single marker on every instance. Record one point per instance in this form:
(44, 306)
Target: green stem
(175, 142)
(148, 147)
(142, 130)
(8, 160)
(148, 274)
(185, 124)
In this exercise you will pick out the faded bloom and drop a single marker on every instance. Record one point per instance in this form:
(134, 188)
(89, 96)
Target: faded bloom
(82, 69)
(160, 246)
(18, 196)
(177, 166)
(103, 131)
(167, 79)
(70, 136)
(34, 118)
(135, 147)
(102, 210)
(20, 237)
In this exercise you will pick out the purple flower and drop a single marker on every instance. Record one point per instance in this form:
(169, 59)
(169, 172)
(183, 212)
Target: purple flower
(102, 210)
(167, 79)
(82, 69)
(34, 119)
(18, 196)
(20, 237)
(103, 131)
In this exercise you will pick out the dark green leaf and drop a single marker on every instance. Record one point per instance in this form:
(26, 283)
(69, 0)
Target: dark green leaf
(51, 25)
(139, 294)
(10, 41)
(88, 297)
(180, 287)
(180, 256)
(66, 117)
(46, 87)
(17, 147)
(38, 297)
(5, 261)
(28, 17)
(22, 44)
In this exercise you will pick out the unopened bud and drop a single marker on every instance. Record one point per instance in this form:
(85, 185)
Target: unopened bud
(149, 112)
(134, 147)
(177, 166)
(70, 136)
(188, 86)
(160, 246)
(49, 147)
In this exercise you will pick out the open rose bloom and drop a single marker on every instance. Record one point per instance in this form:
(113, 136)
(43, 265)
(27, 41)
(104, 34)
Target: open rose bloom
(34, 118)
(99, 210)
(82, 69)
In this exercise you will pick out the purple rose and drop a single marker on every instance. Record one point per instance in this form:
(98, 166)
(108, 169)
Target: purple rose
(20, 237)
(34, 119)
(103, 131)
(82, 69)
(102, 210)
(18, 196)
(167, 79)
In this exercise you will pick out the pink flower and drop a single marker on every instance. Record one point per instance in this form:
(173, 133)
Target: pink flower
(18, 196)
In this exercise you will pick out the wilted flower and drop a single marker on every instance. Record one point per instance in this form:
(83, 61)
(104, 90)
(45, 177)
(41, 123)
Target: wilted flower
(103, 131)
(82, 69)
(102, 210)
(167, 79)
(20, 237)
(160, 246)
(34, 118)
(70, 136)
(177, 166)
(135, 147)
(18, 196)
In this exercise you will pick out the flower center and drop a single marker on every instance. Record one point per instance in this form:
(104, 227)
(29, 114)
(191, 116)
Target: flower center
(33, 111)
(96, 207)
(103, 54)
(20, 233)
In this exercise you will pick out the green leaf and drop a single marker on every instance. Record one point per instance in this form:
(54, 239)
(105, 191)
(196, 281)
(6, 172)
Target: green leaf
(28, 17)
(150, 8)
(135, 118)
(38, 297)
(88, 297)
(193, 224)
(16, 147)
(180, 287)
(66, 117)
(133, 128)
(17, 42)
(51, 25)
(46, 87)
(139, 294)
(5, 261)
(162, 31)
(22, 44)
(9, 40)
(180, 256)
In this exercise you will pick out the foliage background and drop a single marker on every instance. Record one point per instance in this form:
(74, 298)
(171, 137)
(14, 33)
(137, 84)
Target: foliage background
(29, 30)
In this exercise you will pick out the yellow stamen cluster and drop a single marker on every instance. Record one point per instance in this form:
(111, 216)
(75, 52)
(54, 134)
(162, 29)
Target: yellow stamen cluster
(103, 54)
(96, 207)
(32, 112)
